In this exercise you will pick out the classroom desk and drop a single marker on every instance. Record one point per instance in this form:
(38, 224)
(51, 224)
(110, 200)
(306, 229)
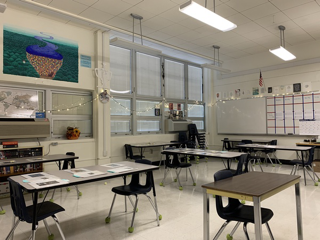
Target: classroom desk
(36, 159)
(279, 147)
(153, 144)
(233, 141)
(62, 174)
(205, 153)
(310, 144)
(254, 187)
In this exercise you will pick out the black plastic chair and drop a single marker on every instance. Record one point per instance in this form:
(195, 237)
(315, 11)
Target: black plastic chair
(129, 153)
(135, 188)
(271, 152)
(236, 211)
(172, 161)
(242, 166)
(25, 213)
(307, 166)
(253, 154)
(228, 146)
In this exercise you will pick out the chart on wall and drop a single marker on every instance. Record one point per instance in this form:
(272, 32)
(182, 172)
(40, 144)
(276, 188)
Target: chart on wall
(286, 113)
(31, 53)
(16, 103)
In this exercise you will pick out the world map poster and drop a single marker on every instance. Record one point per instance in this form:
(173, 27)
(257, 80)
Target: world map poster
(36, 54)
(16, 103)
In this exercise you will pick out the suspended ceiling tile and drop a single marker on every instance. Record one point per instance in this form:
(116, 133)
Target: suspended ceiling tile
(238, 19)
(178, 1)
(192, 23)
(175, 29)
(269, 42)
(175, 41)
(260, 11)
(68, 5)
(244, 45)
(275, 28)
(45, 2)
(174, 15)
(189, 35)
(225, 36)
(145, 29)
(308, 20)
(238, 54)
(120, 23)
(225, 11)
(258, 34)
(189, 46)
(302, 10)
(286, 4)
(158, 35)
(273, 19)
(85, 2)
(96, 15)
(205, 41)
(158, 7)
(132, 2)
(111, 6)
(247, 27)
(256, 49)
(157, 23)
(302, 38)
(245, 4)
(136, 10)
(228, 50)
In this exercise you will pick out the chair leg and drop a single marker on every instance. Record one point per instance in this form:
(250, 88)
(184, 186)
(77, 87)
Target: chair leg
(166, 170)
(15, 224)
(47, 227)
(292, 170)
(134, 214)
(194, 183)
(155, 207)
(78, 192)
(314, 174)
(269, 231)
(110, 211)
(245, 230)
(312, 177)
(234, 230)
(56, 220)
(178, 173)
(131, 201)
(221, 230)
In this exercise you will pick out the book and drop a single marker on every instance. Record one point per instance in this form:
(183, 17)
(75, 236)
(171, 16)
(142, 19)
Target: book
(11, 144)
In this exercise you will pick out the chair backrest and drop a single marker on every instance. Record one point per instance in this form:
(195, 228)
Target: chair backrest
(182, 137)
(135, 178)
(172, 162)
(233, 204)
(192, 129)
(274, 142)
(227, 144)
(18, 203)
(242, 166)
(245, 141)
(129, 153)
(311, 156)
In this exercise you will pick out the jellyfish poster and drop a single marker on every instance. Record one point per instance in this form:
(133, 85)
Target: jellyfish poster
(39, 54)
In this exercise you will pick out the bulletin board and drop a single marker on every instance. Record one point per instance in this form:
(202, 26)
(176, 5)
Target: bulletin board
(292, 114)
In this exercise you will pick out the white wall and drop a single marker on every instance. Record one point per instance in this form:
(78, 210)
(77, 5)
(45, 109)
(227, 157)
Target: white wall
(281, 74)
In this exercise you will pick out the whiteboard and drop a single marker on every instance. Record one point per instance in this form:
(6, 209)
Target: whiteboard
(244, 116)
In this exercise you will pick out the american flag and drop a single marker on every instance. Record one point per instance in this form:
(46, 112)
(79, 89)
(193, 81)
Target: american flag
(261, 80)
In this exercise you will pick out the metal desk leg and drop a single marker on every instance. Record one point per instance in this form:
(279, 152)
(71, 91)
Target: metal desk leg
(257, 218)
(299, 215)
(303, 169)
(206, 217)
(34, 219)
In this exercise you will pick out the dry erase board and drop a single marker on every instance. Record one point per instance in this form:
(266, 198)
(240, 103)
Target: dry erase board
(244, 116)
(285, 112)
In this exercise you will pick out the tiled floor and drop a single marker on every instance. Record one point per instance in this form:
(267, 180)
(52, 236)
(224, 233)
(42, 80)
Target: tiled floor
(84, 219)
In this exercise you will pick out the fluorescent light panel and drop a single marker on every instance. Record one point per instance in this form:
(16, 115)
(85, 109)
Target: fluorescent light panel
(283, 53)
(215, 67)
(131, 45)
(204, 15)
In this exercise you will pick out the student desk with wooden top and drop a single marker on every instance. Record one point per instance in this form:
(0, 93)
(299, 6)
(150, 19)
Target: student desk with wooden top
(245, 187)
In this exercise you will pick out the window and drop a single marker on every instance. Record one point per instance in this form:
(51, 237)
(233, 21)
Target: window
(196, 114)
(71, 110)
(120, 115)
(120, 66)
(174, 79)
(148, 75)
(194, 83)
(147, 121)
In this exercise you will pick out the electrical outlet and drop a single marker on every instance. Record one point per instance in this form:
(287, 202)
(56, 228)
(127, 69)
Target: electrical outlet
(54, 144)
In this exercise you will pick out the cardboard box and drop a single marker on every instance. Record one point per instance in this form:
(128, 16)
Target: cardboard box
(316, 165)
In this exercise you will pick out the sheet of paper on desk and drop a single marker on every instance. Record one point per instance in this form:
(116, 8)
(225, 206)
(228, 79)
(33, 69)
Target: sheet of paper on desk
(77, 170)
(41, 175)
(120, 169)
(114, 165)
(42, 183)
(88, 174)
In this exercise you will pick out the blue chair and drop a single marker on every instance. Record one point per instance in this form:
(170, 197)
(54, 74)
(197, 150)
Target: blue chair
(24, 213)
(307, 167)
(135, 188)
(236, 211)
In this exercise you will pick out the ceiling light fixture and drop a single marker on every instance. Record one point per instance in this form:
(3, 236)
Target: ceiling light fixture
(281, 52)
(205, 15)
(216, 64)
